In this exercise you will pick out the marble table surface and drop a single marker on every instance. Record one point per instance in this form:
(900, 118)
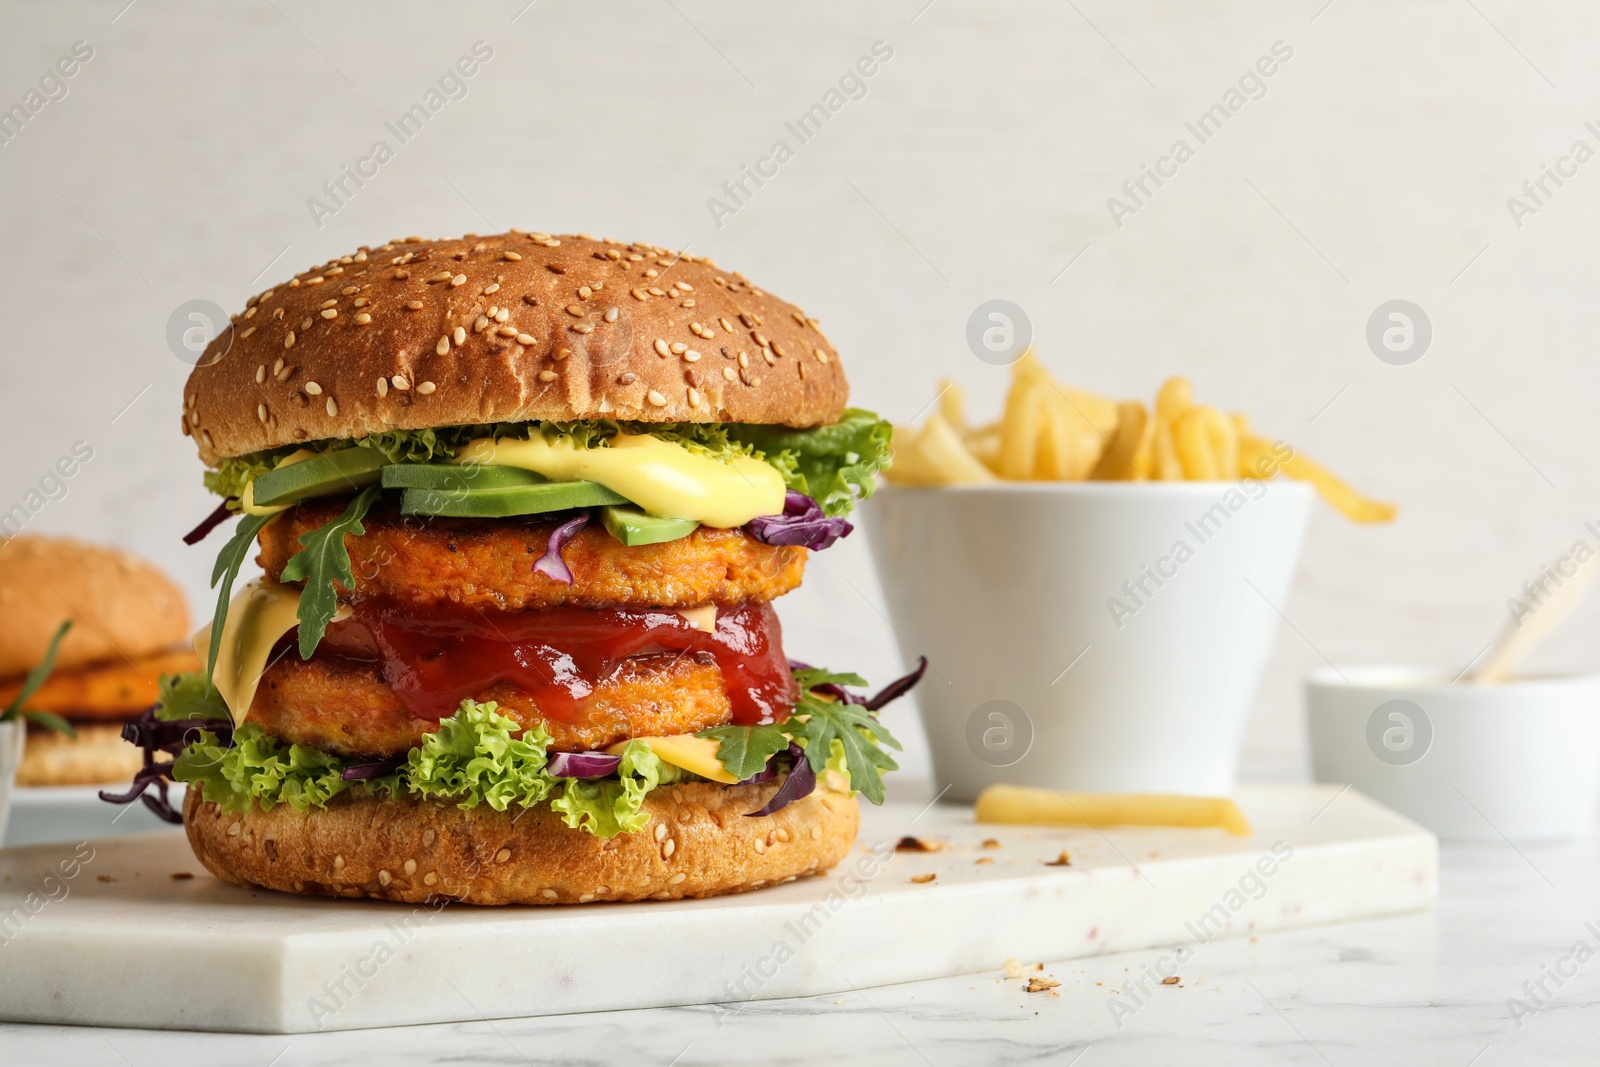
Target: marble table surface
(1506, 970)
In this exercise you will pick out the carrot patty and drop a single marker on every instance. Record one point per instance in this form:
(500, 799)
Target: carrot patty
(344, 706)
(488, 563)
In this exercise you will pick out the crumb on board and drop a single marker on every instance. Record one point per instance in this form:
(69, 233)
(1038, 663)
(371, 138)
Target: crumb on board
(1062, 860)
(181, 876)
(984, 859)
(918, 844)
(990, 843)
(923, 879)
(1171, 979)
(1043, 985)
(105, 878)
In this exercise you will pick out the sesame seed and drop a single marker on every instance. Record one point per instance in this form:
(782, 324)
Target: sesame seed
(399, 383)
(305, 324)
(502, 315)
(250, 313)
(585, 292)
(611, 314)
(584, 898)
(430, 878)
(426, 387)
(744, 360)
(548, 894)
(277, 365)
(333, 406)
(691, 356)
(459, 335)
(411, 866)
(363, 318)
(261, 412)
(638, 294)
(443, 276)
(694, 397)
(547, 376)
(726, 325)
(383, 387)
(427, 838)
(730, 374)
(680, 877)
(330, 313)
(261, 374)
(767, 355)
(330, 303)
(822, 357)
(400, 275)
(656, 398)
(760, 846)
(338, 863)
(507, 331)
(654, 291)
(802, 367)
(491, 289)
(687, 303)
(288, 339)
(459, 279)
(318, 280)
(582, 327)
(574, 309)
(514, 257)
(384, 878)
(686, 287)
(563, 353)
(778, 348)
(349, 290)
(679, 348)
(414, 305)
(661, 348)
(313, 388)
(443, 347)
(760, 338)
(627, 378)
(247, 332)
(524, 339)
(652, 273)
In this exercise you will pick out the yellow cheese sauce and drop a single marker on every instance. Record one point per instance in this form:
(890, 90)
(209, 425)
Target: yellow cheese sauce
(662, 478)
(259, 613)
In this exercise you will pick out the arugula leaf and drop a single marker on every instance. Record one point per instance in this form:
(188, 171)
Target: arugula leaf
(744, 750)
(819, 723)
(226, 572)
(323, 561)
(31, 683)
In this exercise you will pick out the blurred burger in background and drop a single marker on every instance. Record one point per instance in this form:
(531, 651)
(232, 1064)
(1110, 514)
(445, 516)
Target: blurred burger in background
(130, 626)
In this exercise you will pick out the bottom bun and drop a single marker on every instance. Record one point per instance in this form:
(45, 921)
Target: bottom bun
(698, 843)
(97, 756)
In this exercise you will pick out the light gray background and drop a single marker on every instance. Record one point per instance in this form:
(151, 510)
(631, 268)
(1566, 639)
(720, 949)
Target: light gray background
(1377, 166)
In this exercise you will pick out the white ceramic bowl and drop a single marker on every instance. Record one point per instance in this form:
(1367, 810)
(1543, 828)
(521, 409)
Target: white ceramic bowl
(1518, 761)
(11, 735)
(1072, 641)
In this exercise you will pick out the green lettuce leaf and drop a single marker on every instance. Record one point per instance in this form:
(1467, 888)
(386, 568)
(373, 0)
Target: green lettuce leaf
(260, 768)
(188, 696)
(607, 807)
(475, 755)
(834, 464)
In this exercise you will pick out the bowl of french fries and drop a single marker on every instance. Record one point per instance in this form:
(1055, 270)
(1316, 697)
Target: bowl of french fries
(1096, 584)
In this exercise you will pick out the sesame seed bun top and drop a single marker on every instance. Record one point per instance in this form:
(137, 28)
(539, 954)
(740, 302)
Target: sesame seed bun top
(507, 328)
(122, 608)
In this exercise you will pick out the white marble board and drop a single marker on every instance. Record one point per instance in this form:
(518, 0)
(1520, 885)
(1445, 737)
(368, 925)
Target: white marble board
(123, 943)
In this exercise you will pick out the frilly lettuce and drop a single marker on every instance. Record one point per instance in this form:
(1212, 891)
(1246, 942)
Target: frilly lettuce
(473, 758)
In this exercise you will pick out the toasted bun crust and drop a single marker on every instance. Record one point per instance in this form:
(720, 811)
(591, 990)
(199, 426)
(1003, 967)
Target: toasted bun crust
(122, 607)
(698, 843)
(507, 328)
(97, 756)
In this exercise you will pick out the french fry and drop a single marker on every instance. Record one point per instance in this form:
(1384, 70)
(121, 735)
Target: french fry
(1207, 445)
(1355, 506)
(1119, 461)
(1019, 430)
(1174, 398)
(1024, 806)
(943, 451)
(953, 405)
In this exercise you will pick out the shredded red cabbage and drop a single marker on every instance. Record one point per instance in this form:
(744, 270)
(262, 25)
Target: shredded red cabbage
(802, 523)
(582, 764)
(887, 695)
(361, 772)
(551, 565)
(799, 785)
(209, 523)
(154, 735)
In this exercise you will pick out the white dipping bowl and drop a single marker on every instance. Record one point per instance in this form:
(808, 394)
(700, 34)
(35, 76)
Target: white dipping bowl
(1036, 676)
(1517, 761)
(11, 735)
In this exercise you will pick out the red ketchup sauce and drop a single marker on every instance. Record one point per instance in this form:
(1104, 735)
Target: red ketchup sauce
(434, 660)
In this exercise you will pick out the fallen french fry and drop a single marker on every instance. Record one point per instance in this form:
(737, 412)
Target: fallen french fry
(1024, 806)
(1119, 461)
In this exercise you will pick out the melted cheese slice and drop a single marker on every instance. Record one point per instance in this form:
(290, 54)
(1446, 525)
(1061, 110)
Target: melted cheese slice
(663, 478)
(259, 613)
(697, 755)
(703, 618)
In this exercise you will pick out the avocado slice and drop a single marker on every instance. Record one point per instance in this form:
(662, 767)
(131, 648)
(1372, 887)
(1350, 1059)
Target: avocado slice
(450, 476)
(633, 527)
(502, 502)
(328, 474)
